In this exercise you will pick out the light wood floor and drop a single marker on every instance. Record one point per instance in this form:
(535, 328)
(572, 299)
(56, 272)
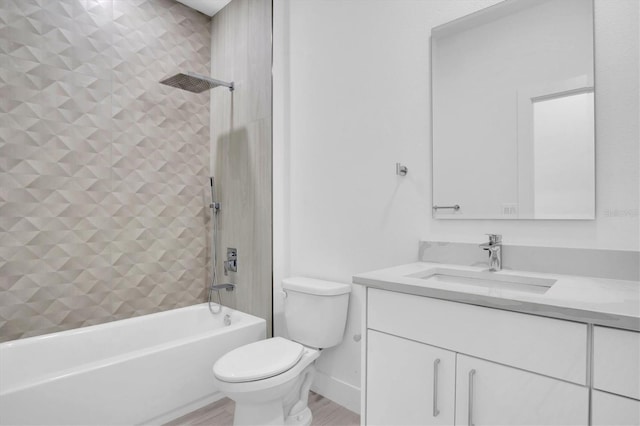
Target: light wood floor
(220, 413)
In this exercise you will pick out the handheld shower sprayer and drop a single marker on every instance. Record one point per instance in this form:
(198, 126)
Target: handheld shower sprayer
(214, 204)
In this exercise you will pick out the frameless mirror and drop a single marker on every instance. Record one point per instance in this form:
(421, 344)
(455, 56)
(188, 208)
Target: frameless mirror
(513, 112)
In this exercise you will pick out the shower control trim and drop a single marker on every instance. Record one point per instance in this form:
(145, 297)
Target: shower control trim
(231, 264)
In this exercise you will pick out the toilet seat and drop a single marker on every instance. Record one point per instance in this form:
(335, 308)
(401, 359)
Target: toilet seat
(309, 355)
(258, 360)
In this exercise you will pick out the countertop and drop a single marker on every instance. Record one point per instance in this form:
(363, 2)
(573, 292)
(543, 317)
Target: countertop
(606, 302)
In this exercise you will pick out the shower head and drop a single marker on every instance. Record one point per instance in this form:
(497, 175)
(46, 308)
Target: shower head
(195, 83)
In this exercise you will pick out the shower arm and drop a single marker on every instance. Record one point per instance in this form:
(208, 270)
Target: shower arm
(213, 81)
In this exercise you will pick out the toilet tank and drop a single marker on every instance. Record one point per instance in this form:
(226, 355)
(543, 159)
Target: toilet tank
(315, 311)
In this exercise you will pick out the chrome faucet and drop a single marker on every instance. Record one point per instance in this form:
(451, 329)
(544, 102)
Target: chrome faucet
(494, 247)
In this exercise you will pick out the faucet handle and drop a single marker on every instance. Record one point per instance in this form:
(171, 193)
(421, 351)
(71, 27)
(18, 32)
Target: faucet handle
(494, 238)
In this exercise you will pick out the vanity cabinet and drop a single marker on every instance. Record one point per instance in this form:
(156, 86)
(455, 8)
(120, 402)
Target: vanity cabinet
(408, 383)
(499, 367)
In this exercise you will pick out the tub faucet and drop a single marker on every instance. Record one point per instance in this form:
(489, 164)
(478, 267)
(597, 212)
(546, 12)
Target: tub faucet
(494, 247)
(226, 286)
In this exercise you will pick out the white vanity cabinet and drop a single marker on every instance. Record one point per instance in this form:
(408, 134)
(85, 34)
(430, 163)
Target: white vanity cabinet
(409, 383)
(527, 369)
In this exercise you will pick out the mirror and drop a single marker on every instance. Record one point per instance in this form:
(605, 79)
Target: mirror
(513, 112)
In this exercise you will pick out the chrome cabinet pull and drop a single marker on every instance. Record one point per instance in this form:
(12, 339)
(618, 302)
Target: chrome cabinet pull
(435, 387)
(471, 376)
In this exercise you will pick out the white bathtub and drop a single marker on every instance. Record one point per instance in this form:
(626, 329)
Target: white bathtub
(144, 370)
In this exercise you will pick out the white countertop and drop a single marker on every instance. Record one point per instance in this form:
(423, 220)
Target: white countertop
(612, 303)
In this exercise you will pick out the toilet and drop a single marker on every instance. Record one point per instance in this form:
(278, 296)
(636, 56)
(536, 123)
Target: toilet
(269, 380)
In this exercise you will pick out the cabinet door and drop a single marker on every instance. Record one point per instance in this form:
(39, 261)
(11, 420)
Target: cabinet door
(611, 410)
(408, 383)
(492, 394)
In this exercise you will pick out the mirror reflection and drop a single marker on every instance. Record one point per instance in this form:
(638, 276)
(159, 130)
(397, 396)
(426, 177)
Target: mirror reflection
(513, 112)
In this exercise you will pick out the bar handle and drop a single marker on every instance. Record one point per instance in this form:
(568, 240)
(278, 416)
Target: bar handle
(472, 374)
(435, 387)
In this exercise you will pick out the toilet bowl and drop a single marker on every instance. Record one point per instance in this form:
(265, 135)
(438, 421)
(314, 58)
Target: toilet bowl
(270, 380)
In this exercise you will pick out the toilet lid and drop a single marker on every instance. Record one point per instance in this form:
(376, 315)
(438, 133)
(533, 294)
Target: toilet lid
(259, 360)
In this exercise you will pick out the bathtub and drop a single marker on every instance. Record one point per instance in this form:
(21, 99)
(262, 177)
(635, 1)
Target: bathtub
(144, 370)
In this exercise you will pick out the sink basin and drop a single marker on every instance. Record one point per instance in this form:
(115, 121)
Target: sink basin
(487, 279)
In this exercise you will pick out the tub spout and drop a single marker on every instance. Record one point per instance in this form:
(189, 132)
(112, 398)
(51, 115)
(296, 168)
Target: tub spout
(226, 286)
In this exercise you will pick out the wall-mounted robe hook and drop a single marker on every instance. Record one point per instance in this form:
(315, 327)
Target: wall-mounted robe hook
(401, 170)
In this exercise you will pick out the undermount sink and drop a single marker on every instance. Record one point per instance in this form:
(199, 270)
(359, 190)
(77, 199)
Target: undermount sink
(487, 279)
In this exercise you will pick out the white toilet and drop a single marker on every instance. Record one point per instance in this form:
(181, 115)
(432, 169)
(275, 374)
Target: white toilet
(269, 380)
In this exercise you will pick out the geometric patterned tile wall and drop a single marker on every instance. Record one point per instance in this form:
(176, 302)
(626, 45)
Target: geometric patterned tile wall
(103, 171)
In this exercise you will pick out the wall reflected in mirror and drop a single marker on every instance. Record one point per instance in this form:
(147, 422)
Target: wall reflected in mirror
(513, 112)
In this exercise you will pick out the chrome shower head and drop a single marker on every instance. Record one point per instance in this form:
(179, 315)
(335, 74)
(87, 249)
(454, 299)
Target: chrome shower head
(195, 83)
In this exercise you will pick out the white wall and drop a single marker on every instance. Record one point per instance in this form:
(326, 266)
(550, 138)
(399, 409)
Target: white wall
(351, 97)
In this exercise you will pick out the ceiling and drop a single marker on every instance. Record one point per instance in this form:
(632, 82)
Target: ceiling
(208, 7)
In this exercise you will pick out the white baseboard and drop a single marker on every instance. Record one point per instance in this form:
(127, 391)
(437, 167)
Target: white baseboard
(338, 391)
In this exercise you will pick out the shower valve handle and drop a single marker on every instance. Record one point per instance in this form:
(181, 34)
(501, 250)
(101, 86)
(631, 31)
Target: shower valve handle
(231, 264)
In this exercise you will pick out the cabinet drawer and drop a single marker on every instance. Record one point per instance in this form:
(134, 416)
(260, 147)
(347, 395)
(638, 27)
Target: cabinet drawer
(547, 346)
(611, 409)
(616, 361)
